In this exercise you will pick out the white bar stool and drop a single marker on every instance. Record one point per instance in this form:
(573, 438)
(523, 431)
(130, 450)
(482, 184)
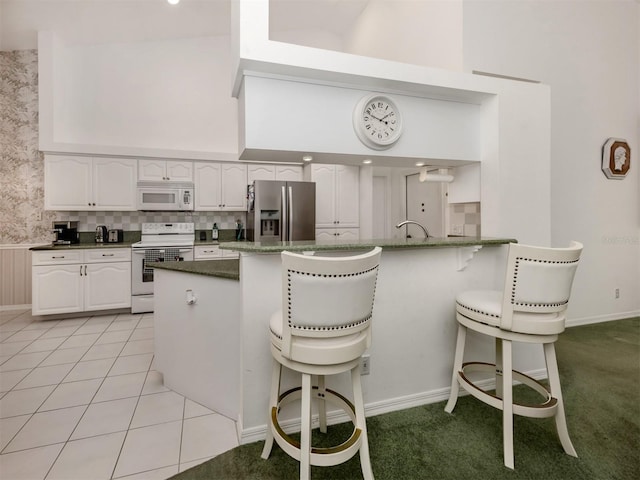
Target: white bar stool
(325, 328)
(530, 309)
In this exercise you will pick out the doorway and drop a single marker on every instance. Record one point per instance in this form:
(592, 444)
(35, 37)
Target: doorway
(425, 203)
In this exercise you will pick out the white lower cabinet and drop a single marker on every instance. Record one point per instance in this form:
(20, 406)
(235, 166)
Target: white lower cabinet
(341, 235)
(212, 252)
(107, 286)
(57, 289)
(67, 281)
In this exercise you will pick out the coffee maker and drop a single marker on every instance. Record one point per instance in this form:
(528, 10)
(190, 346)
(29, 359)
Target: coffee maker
(66, 233)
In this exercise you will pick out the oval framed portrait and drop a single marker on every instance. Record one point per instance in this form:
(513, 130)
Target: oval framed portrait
(616, 158)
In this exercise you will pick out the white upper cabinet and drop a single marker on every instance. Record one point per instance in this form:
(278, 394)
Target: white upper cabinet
(267, 171)
(114, 183)
(75, 183)
(220, 186)
(165, 171)
(208, 193)
(337, 195)
(289, 173)
(260, 172)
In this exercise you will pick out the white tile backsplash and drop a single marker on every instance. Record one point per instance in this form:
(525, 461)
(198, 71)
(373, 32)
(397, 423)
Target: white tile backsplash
(464, 219)
(132, 221)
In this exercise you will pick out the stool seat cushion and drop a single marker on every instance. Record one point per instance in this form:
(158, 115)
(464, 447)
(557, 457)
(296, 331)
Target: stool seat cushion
(485, 306)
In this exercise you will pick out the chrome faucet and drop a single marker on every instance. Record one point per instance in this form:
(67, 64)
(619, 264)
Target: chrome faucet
(402, 224)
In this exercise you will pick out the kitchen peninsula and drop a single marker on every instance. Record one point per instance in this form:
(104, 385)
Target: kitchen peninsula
(212, 341)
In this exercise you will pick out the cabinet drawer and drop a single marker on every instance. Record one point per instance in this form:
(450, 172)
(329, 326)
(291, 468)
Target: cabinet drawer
(107, 255)
(209, 252)
(57, 257)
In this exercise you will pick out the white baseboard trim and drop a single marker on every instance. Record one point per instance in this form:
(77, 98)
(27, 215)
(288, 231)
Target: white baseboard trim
(9, 308)
(574, 322)
(258, 433)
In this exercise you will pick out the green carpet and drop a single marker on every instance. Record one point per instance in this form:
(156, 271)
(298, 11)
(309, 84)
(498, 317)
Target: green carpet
(600, 373)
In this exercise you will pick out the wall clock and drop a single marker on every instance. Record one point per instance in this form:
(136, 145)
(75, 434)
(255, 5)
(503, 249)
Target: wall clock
(377, 121)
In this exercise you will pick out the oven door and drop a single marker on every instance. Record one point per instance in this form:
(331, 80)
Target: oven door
(142, 276)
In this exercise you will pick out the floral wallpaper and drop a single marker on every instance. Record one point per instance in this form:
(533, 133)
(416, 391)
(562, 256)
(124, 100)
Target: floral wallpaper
(22, 216)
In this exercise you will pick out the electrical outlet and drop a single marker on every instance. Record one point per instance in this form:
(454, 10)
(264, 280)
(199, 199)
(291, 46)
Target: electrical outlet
(617, 293)
(365, 365)
(457, 229)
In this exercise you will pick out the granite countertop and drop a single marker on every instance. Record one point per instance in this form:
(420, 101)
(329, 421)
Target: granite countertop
(385, 243)
(229, 268)
(83, 245)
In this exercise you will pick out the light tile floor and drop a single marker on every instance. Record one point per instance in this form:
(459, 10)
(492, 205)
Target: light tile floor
(80, 399)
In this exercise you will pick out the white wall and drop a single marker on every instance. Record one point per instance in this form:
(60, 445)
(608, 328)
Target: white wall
(162, 95)
(107, 21)
(291, 115)
(588, 53)
(410, 31)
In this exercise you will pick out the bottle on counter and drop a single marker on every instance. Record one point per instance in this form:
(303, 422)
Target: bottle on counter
(238, 230)
(214, 232)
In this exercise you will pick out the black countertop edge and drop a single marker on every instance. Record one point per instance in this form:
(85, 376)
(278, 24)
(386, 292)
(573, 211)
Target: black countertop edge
(227, 268)
(388, 244)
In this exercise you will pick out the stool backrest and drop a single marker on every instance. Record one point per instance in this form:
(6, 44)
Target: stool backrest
(537, 287)
(327, 297)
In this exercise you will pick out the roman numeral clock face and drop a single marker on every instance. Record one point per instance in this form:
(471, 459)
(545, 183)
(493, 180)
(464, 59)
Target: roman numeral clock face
(377, 122)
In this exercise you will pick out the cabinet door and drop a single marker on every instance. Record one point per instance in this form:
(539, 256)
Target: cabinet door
(152, 170)
(114, 184)
(347, 196)
(234, 187)
(326, 235)
(324, 176)
(289, 173)
(207, 186)
(67, 183)
(348, 234)
(179, 171)
(260, 172)
(57, 289)
(207, 252)
(107, 285)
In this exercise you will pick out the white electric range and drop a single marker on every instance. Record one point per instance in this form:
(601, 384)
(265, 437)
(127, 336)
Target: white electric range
(159, 242)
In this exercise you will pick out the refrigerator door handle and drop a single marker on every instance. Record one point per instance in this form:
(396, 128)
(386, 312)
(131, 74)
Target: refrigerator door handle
(290, 212)
(284, 228)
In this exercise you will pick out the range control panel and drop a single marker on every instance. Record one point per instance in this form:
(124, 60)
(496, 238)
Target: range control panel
(168, 228)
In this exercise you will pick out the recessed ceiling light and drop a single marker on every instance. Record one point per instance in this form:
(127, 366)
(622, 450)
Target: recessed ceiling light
(173, 2)
(307, 158)
(367, 161)
(419, 164)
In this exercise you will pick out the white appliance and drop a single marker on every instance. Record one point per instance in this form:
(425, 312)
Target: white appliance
(159, 242)
(161, 196)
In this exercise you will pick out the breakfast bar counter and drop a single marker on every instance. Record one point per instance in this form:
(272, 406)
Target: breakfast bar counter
(385, 243)
(222, 325)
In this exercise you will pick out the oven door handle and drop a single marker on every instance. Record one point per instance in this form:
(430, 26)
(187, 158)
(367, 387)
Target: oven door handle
(141, 251)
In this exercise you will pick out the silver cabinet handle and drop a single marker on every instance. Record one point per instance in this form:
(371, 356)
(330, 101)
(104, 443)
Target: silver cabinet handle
(61, 256)
(80, 270)
(107, 254)
(85, 270)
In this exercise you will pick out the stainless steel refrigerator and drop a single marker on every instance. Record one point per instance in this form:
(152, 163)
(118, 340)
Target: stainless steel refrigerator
(281, 211)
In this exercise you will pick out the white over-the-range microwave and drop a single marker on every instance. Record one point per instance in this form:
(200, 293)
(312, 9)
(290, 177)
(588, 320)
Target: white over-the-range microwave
(163, 196)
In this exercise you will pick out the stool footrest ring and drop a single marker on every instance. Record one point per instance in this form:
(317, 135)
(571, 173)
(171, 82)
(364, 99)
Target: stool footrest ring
(545, 409)
(320, 456)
